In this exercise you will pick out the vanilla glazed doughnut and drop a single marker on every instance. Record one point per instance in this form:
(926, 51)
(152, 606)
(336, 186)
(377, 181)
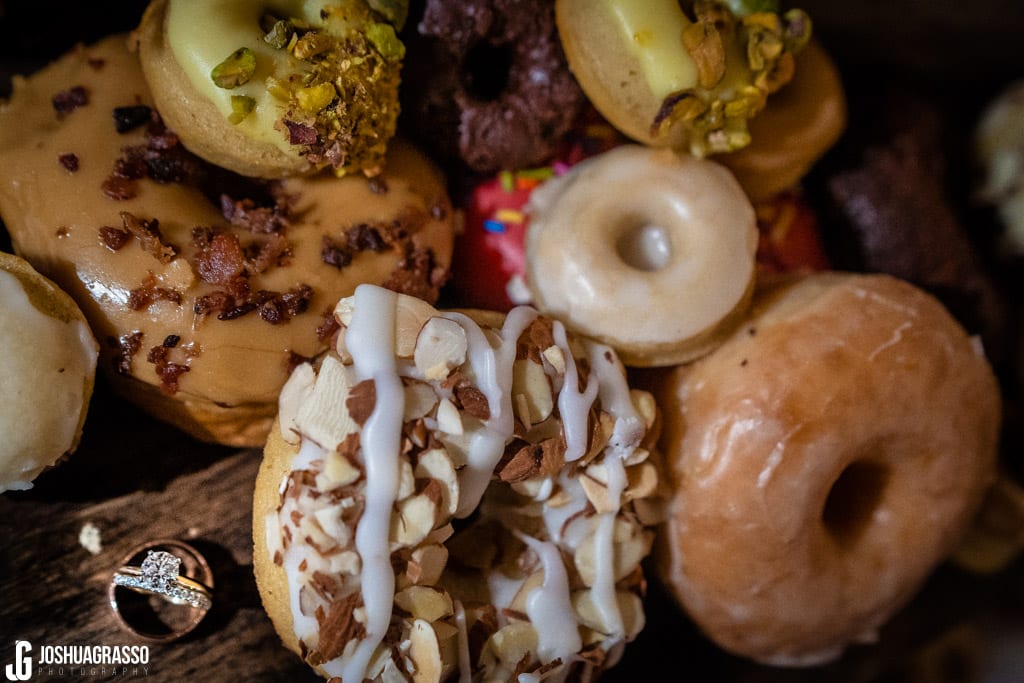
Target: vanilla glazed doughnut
(48, 365)
(445, 498)
(823, 460)
(488, 83)
(202, 287)
(650, 252)
(277, 88)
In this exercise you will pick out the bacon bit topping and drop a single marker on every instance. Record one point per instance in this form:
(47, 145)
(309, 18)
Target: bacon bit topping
(114, 238)
(361, 401)
(329, 327)
(363, 236)
(128, 345)
(418, 274)
(118, 189)
(62, 232)
(221, 260)
(377, 185)
(274, 252)
(244, 213)
(281, 308)
(300, 133)
(334, 254)
(69, 161)
(171, 340)
(150, 239)
(67, 101)
(130, 118)
(148, 293)
(169, 372)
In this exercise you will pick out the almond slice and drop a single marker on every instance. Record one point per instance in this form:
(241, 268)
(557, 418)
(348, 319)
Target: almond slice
(441, 346)
(436, 465)
(324, 417)
(425, 602)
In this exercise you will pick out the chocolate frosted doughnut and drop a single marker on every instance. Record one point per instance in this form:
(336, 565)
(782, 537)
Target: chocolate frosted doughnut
(489, 83)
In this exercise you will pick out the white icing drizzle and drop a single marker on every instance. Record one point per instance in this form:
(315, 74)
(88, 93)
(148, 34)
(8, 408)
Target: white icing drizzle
(574, 405)
(492, 369)
(370, 341)
(465, 668)
(603, 590)
(549, 607)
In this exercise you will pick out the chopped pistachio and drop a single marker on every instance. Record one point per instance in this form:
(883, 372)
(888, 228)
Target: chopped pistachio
(394, 12)
(236, 70)
(279, 34)
(241, 106)
(312, 44)
(798, 30)
(704, 44)
(315, 98)
(278, 89)
(383, 38)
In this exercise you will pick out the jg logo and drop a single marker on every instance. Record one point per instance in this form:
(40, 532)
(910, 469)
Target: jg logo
(21, 670)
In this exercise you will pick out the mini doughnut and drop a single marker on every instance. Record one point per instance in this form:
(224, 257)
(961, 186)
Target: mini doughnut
(666, 79)
(823, 460)
(276, 88)
(650, 252)
(202, 287)
(444, 495)
(805, 119)
(489, 83)
(48, 365)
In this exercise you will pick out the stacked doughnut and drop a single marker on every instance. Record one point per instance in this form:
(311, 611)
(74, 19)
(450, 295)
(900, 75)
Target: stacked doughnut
(205, 286)
(449, 492)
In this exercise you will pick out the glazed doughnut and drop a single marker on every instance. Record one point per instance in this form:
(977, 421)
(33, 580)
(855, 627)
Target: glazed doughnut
(527, 439)
(48, 365)
(648, 251)
(823, 460)
(276, 88)
(202, 287)
(805, 119)
(666, 79)
(490, 84)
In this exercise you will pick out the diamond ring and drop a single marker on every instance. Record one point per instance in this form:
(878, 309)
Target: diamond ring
(172, 571)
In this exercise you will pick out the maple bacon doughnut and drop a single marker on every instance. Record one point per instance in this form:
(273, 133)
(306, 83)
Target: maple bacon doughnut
(203, 287)
(444, 495)
(648, 251)
(823, 460)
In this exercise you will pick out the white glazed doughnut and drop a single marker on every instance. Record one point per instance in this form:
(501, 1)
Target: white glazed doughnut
(824, 459)
(649, 252)
(528, 440)
(48, 365)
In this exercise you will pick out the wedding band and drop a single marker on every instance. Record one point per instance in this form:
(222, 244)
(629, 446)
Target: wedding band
(168, 569)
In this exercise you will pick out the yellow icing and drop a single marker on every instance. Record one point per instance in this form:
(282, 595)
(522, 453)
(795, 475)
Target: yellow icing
(652, 32)
(202, 34)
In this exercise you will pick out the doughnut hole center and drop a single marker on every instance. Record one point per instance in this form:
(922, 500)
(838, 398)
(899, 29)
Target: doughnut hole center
(485, 70)
(853, 499)
(644, 245)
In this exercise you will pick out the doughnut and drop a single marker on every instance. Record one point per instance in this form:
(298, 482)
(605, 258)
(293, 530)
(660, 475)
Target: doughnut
(488, 83)
(277, 88)
(443, 495)
(822, 462)
(805, 119)
(999, 152)
(669, 80)
(650, 252)
(202, 287)
(48, 365)
(489, 261)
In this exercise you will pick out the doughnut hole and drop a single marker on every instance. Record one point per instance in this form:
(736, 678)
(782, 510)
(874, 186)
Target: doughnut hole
(643, 244)
(852, 500)
(485, 70)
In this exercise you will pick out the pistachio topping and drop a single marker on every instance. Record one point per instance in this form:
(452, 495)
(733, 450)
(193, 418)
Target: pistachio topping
(236, 70)
(241, 106)
(744, 51)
